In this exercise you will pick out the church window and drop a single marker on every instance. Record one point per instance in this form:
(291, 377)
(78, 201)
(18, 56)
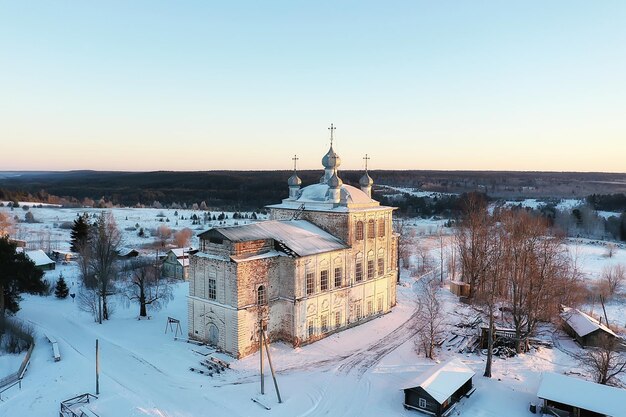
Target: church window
(359, 271)
(324, 280)
(324, 323)
(260, 295)
(338, 277)
(380, 304)
(358, 234)
(370, 229)
(381, 266)
(337, 318)
(370, 269)
(211, 289)
(310, 283)
(381, 228)
(311, 328)
(359, 313)
(370, 307)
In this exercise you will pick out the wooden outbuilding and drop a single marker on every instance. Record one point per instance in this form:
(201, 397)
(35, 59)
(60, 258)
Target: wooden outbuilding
(41, 260)
(585, 329)
(568, 396)
(439, 389)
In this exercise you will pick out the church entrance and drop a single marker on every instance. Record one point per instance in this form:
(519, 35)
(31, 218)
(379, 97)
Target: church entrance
(213, 334)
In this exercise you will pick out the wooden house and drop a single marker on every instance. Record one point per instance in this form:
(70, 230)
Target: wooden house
(439, 389)
(176, 263)
(568, 396)
(585, 329)
(41, 260)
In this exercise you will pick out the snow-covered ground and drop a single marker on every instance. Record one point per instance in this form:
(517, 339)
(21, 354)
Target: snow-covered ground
(413, 191)
(145, 372)
(51, 230)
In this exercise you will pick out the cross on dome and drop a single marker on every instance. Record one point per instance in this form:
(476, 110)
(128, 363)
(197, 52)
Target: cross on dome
(295, 161)
(332, 129)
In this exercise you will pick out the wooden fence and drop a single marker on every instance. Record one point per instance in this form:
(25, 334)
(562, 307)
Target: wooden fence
(16, 377)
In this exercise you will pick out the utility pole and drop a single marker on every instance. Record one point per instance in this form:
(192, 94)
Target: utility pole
(261, 356)
(269, 359)
(97, 368)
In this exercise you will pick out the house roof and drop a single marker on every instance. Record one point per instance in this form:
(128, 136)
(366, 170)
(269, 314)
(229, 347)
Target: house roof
(581, 323)
(300, 236)
(39, 257)
(182, 252)
(441, 381)
(583, 394)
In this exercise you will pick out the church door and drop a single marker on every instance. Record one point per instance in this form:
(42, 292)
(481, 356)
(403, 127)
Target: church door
(213, 334)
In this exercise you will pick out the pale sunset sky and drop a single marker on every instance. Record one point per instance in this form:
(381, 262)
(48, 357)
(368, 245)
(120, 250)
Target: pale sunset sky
(199, 85)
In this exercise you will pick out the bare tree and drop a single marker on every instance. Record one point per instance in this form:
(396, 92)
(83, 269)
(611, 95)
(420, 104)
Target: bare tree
(6, 225)
(146, 287)
(473, 242)
(612, 281)
(610, 250)
(163, 234)
(604, 362)
(406, 241)
(183, 237)
(104, 246)
(430, 319)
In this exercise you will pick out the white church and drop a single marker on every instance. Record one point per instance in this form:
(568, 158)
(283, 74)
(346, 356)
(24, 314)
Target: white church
(324, 262)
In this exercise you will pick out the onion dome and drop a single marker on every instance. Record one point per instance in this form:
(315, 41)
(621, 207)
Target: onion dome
(366, 180)
(331, 160)
(334, 181)
(294, 180)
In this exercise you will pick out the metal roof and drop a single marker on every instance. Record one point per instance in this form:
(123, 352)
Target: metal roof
(441, 381)
(301, 236)
(582, 323)
(582, 394)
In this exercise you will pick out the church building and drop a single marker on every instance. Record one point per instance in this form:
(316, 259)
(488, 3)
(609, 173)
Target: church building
(324, 262)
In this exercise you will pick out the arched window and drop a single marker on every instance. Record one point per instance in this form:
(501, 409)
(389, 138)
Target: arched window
(371, 229)
(358, 234)
(260, 295)
(381, 228)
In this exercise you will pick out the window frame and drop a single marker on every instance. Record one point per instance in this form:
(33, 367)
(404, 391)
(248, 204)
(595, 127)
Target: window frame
(371, 229)
(338, 275)
(371, 270)
(324, 275)
(309, 283)
(359, 230)
(382, 229)
(211, 289)
(358, 271)
(261, 295)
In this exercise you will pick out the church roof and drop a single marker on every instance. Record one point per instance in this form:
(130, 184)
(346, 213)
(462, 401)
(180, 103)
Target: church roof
(300, 236)
(317, 197)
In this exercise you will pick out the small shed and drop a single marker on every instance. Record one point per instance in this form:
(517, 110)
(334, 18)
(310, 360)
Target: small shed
(437, 390)
(569, 396)
(41, 260)
(585, 329)
(128, 253)
(459, 288)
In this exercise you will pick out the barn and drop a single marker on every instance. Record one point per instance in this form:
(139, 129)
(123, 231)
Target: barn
(585, 329)
(568, 396)
(439, 389)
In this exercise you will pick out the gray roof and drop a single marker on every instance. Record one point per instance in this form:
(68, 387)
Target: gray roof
(582, 394)
(583, 324)
(301, 236)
